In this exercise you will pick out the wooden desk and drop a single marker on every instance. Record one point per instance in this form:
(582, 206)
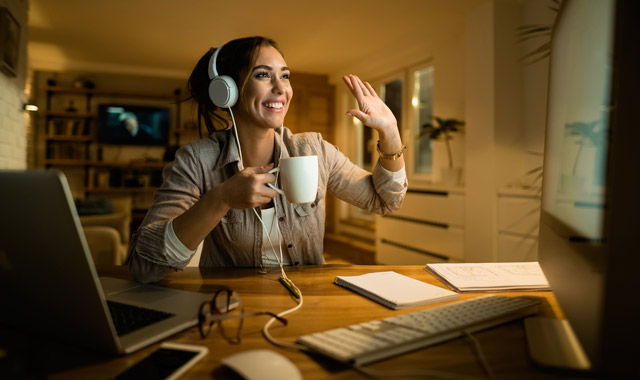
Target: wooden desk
(325, 306)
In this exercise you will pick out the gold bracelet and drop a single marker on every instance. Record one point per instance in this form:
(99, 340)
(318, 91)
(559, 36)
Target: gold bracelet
(393, 156)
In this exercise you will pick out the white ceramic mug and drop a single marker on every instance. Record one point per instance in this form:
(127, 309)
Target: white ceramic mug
(299, 178)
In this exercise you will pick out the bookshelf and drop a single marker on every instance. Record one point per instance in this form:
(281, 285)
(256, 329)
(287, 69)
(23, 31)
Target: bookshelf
(70, 141)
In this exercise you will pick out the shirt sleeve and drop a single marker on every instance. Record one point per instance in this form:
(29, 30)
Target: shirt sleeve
(176, 251)
(380, 191)
(149, 259)
(399, 177)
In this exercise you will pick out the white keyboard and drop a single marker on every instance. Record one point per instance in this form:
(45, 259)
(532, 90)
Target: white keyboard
(379, 339)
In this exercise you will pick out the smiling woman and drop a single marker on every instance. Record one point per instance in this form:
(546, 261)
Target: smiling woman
(217, 191)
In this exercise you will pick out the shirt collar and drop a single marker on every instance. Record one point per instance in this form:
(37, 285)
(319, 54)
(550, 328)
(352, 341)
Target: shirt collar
(229, 152)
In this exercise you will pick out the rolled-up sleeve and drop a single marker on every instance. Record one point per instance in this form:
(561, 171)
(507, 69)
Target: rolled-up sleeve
(380, 192)
(182, 187)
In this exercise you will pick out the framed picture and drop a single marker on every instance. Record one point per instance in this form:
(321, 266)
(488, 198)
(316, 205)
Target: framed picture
(9, 42)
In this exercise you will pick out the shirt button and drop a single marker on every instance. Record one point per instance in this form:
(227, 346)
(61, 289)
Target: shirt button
(313, 205)
(296, 263)
(281, 218)
(290, 245)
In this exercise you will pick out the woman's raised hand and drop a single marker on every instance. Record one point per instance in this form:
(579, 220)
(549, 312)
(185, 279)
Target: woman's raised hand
(373, 112)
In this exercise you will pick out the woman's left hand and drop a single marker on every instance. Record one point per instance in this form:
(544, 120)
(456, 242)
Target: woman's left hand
(373, 112)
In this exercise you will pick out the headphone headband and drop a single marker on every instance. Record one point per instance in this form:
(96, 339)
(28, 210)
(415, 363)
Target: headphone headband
(213, 72)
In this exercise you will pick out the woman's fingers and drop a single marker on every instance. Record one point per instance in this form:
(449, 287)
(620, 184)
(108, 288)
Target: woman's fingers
(347, 81)
(249, 189)
(357, 87)
(371, 90)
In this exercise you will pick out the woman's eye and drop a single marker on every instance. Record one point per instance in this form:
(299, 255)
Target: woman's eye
(286, 76)
(262, 74)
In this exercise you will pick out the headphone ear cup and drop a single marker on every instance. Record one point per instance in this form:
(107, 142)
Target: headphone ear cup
(223, 91)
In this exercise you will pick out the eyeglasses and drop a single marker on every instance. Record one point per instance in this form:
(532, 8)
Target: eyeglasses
(227, 309)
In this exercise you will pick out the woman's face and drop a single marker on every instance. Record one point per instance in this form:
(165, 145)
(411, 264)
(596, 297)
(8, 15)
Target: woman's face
(267, 93)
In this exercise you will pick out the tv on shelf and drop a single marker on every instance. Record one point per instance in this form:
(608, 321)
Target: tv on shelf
(133, 125)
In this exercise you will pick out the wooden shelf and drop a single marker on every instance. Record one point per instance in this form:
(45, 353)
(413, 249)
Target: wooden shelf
(106, 164)
(69, 138)
(120, 190)
(65, 162)
(68, 115)
(131, 164)
(121, 94)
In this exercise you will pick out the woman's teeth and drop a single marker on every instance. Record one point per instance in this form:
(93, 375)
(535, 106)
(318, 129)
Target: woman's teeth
(273, 105)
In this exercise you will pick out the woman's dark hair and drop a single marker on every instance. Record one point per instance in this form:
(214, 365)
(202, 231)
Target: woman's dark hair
(235, 60)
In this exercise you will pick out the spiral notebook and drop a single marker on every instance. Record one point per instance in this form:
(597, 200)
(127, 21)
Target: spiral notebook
(394, 290)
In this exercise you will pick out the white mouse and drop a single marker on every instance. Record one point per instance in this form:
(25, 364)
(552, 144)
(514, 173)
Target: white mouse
(262, 364)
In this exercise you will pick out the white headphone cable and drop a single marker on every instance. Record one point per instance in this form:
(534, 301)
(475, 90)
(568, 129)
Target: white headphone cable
(290, 285)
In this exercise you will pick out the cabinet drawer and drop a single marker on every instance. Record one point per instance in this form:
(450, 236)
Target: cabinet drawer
(448, 242)
(446, 209)
(391, 254)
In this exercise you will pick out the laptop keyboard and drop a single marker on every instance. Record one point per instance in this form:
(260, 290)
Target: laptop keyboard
(128, 318)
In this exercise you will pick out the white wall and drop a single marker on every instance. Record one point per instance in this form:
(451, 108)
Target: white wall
(480, 170)
(13, 120)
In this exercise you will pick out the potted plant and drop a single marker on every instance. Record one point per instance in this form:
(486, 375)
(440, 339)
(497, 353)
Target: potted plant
(443, 129)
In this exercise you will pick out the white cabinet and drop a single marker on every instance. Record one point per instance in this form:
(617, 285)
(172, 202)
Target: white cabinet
(518, 224)
(428, 228)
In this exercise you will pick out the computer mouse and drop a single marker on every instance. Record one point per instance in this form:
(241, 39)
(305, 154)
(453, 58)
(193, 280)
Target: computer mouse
(261, 364)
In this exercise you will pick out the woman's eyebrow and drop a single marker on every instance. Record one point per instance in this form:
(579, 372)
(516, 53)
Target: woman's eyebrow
(269, 68)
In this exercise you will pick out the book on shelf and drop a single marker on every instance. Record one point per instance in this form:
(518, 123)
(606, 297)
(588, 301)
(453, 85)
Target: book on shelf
(65, 151)
(68, 127)
(394, 290)
(486, 277)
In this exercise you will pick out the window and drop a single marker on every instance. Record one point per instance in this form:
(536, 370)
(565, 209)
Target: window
(391, 93)
(422, 113)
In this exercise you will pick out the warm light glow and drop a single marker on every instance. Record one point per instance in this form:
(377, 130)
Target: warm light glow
(30, 107)
(415, 101)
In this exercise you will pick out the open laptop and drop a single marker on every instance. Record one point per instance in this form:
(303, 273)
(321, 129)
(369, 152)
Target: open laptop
(50, 284)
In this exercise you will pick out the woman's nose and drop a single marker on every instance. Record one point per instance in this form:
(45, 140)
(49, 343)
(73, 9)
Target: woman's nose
(277, 86)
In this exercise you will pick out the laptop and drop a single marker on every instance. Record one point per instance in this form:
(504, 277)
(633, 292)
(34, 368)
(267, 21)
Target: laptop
(50, 284)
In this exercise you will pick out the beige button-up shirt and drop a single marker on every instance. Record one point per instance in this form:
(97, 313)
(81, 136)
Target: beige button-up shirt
(237, 239)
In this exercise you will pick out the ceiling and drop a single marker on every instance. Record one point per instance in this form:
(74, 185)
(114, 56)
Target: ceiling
(167, 37)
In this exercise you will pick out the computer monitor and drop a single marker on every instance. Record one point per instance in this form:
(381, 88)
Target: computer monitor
(589, 242)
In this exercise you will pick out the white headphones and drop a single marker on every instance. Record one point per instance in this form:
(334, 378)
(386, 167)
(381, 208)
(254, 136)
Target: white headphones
(223, 91)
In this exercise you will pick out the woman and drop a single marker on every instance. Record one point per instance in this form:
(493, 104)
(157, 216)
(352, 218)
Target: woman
(212, 193)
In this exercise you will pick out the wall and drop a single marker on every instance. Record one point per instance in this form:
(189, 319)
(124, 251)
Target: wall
(13, 119)
(480, 170)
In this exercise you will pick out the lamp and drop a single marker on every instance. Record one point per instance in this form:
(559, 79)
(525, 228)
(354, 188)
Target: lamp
(30, 107)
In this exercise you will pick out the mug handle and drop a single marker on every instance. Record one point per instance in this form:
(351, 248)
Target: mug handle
(274, 170)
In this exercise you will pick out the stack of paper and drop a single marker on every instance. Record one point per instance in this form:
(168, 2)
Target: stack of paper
(394, 290)
(483, 277)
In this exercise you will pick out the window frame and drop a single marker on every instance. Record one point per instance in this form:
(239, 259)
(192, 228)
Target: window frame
(409, 139)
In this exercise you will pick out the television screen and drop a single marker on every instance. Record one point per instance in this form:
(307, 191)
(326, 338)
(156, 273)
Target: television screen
(133, 125)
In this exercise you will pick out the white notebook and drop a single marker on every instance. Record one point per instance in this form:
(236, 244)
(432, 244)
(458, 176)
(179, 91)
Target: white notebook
(394, 290)
(487, 277)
